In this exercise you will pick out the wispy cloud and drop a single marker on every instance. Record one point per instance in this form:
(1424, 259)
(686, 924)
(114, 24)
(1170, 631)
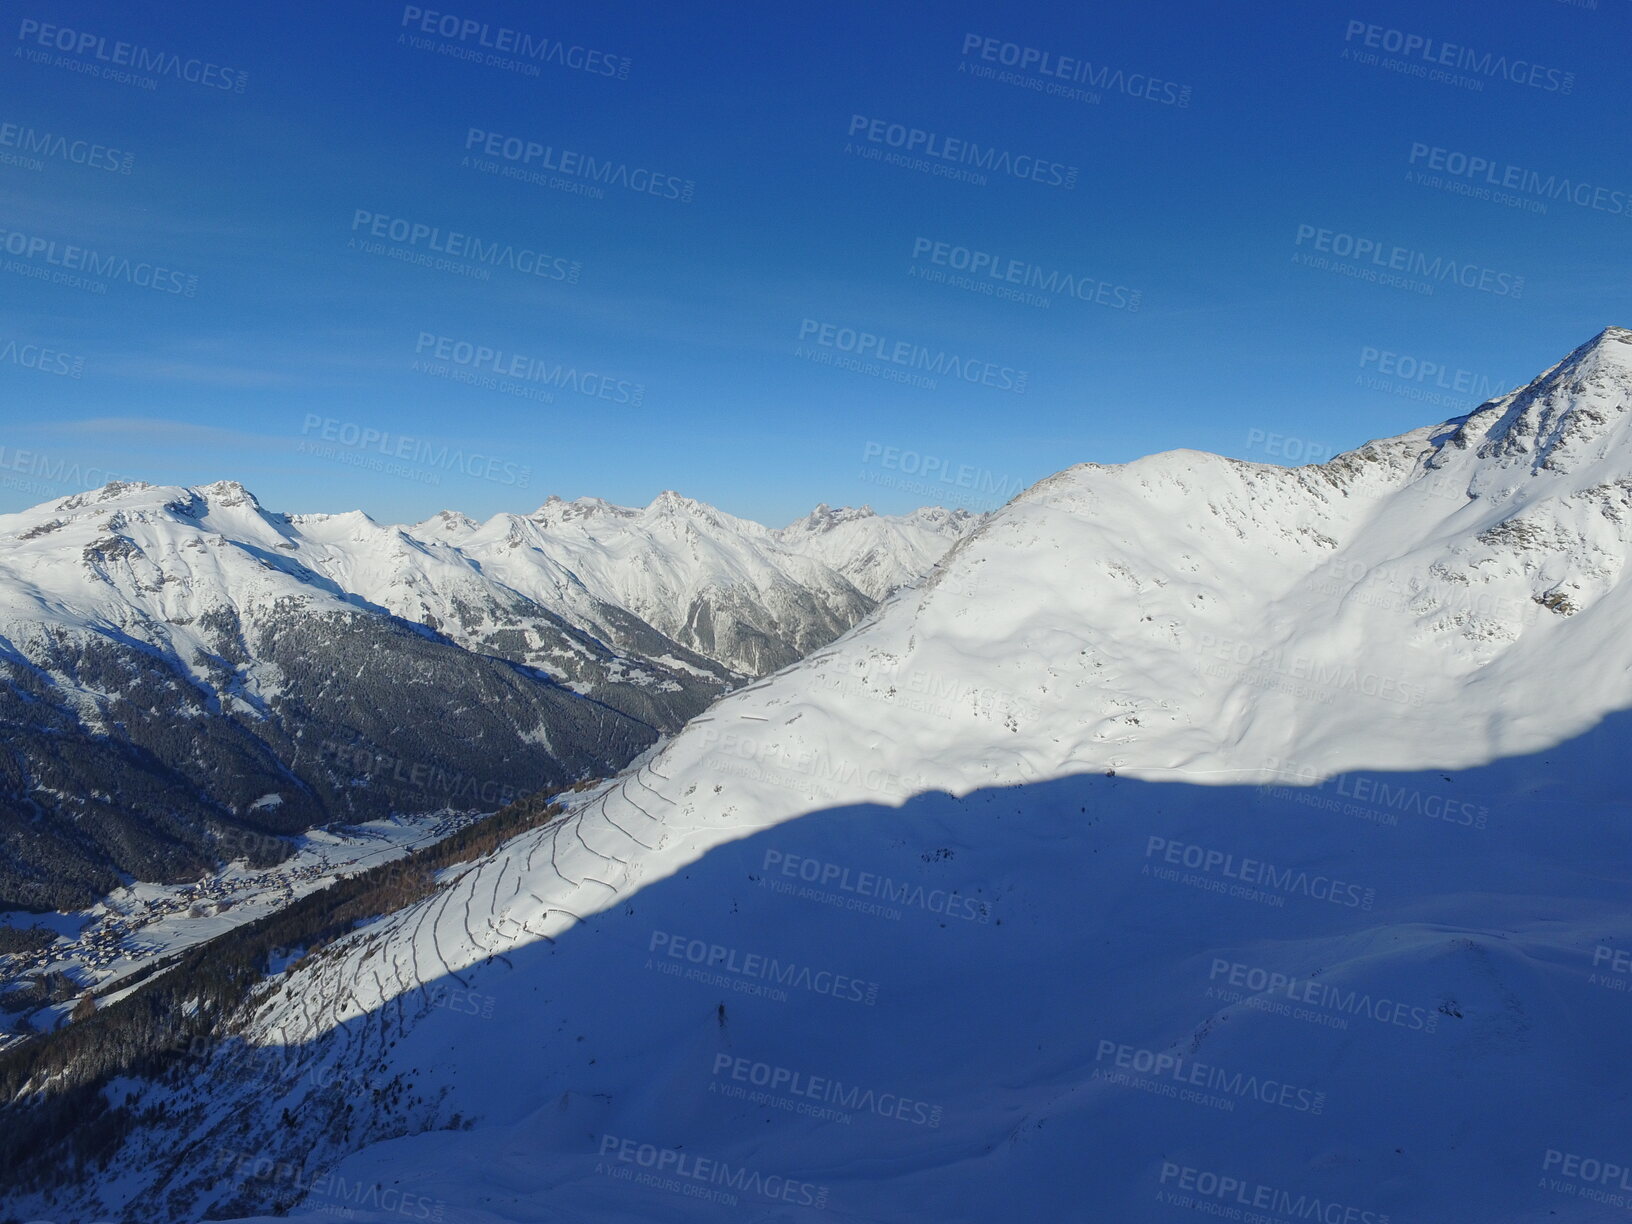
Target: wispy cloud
(153, 429)
(197, 374)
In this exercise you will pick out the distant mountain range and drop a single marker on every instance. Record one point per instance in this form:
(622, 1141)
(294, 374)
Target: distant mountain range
(180, 663)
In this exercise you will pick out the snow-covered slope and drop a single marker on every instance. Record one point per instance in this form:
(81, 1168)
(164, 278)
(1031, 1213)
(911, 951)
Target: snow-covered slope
(1201, 838)
(133, 611)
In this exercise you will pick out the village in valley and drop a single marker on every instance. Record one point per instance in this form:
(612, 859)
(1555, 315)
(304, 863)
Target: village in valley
(52, 963)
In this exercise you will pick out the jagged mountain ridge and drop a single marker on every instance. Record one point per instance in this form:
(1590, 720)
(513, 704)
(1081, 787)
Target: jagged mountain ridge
(878, 554)
(1364, 723)
(179, 662)
(750, 597)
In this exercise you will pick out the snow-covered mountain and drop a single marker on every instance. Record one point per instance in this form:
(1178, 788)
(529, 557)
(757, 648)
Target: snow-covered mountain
(719, 585)
(878, 553)
(180, 662)
(1202, 837)
(750, 598)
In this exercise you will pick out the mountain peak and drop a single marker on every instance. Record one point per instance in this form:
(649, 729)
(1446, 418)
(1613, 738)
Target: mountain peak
(557, 510)
(1569, 412)
(228, 493)
(670, 504)
(1613, 339)
(453, 520)
(108, 492)
(668, 499)
(1607, 353)
(825, 517)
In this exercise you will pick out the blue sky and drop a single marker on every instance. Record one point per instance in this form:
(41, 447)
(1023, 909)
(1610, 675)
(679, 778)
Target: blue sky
(703, 344)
